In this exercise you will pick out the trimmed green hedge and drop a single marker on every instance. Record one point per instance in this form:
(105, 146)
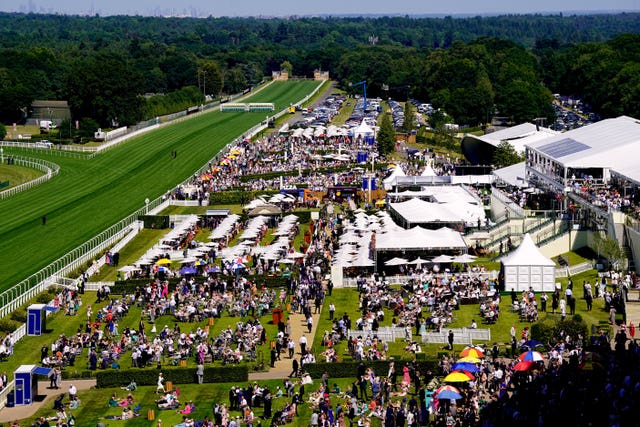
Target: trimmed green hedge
(177, 375)
(236, 197)
(350, 369)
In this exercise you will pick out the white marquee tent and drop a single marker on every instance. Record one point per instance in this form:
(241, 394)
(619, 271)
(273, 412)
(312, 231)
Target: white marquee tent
(389, 181)
(417, 211)
(418, 238)
(527, 268)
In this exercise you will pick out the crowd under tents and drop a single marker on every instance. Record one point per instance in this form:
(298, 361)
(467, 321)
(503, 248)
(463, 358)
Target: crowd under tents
(527, 268)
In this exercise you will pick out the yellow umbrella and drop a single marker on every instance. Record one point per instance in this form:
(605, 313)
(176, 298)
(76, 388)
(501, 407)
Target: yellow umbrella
(469, 359)
(458, 377)
(163, 261)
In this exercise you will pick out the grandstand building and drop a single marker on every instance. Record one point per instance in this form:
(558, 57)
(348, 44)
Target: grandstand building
(592, 153)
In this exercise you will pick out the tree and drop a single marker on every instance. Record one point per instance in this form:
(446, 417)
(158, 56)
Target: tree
(386, 136)
(610, 249)
(286, 65)
(234, 80)
(409, 115)
(211, 78)
(506, 155)
(3, 131)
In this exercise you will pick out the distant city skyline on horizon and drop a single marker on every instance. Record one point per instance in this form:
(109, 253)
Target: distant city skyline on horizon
(254, 8)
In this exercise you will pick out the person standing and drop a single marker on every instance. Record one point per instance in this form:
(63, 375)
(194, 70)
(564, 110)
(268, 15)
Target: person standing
(309, 323)
(450, 339)
(543, 302)
(160, 386)
(303, 345)
(294, 368)
(291, 346)
(332, 310)
(200, 373)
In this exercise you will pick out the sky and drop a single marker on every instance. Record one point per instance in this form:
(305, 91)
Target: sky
(266, 8)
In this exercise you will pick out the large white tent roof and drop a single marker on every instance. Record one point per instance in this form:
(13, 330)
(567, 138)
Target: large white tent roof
(527, 254)
(415, 211)
(420, 238)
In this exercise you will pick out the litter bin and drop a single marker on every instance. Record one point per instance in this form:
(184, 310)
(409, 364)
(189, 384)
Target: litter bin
(11, 399)
(276, 315)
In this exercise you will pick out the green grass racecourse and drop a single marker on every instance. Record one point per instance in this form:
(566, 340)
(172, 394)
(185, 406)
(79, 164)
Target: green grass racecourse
(90, 195)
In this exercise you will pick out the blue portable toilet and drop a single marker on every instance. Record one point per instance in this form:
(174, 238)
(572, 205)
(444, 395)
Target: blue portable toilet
(36, 319)
(369, 139)
(362, 157)
(25, 387)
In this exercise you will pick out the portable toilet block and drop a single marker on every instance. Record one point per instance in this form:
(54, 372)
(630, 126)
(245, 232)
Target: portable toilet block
(25, 384)
(36, 319)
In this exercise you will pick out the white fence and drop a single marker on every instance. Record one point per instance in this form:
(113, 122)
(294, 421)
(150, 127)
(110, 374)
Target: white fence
(460, 336)
(352, 282)
(386, 334)
(50, 170)
(576, 269)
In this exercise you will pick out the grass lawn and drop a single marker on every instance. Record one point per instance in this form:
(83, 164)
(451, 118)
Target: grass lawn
(90, 195)
(346, 301)
(17, 175)
(571, 257)
(94, 403)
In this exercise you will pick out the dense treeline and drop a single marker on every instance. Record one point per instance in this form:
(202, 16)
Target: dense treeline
(472, 67)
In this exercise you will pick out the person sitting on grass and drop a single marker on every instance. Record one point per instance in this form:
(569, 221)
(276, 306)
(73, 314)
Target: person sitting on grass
(131, 387)
(186, 422)
(188, 408)
(113, 400)
(75, 403)
(169, 401)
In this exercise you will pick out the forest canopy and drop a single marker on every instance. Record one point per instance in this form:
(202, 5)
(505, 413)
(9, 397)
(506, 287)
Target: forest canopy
(128, 68)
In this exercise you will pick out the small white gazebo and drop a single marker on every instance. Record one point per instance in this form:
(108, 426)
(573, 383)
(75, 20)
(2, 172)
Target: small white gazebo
(526, 268)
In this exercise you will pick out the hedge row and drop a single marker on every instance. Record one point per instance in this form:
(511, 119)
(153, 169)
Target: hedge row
(177, 375)
(350, 369)
(236, 197)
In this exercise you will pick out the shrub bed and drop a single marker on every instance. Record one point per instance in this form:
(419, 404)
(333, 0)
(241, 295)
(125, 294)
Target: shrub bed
(175, 375)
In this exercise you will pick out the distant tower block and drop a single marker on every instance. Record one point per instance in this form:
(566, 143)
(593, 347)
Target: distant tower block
(320, 75)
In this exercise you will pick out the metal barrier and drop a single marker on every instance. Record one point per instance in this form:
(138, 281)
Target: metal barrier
(50, 170)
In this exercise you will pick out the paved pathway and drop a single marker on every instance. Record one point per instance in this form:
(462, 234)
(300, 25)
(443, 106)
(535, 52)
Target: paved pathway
(21, 412)
(282, 367)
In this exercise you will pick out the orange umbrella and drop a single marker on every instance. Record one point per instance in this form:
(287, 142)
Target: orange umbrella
(472, 352)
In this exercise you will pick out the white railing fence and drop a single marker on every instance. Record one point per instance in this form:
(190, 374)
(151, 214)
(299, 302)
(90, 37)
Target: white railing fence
(50, 170)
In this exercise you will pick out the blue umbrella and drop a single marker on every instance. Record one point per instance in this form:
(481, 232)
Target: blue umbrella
(448, 392)
(188, 270)
(465, 366)
(237, 265)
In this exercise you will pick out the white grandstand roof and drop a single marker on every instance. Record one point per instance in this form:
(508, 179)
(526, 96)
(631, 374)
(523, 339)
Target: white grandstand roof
(479, 149)
(612, 143)
(518, 136)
